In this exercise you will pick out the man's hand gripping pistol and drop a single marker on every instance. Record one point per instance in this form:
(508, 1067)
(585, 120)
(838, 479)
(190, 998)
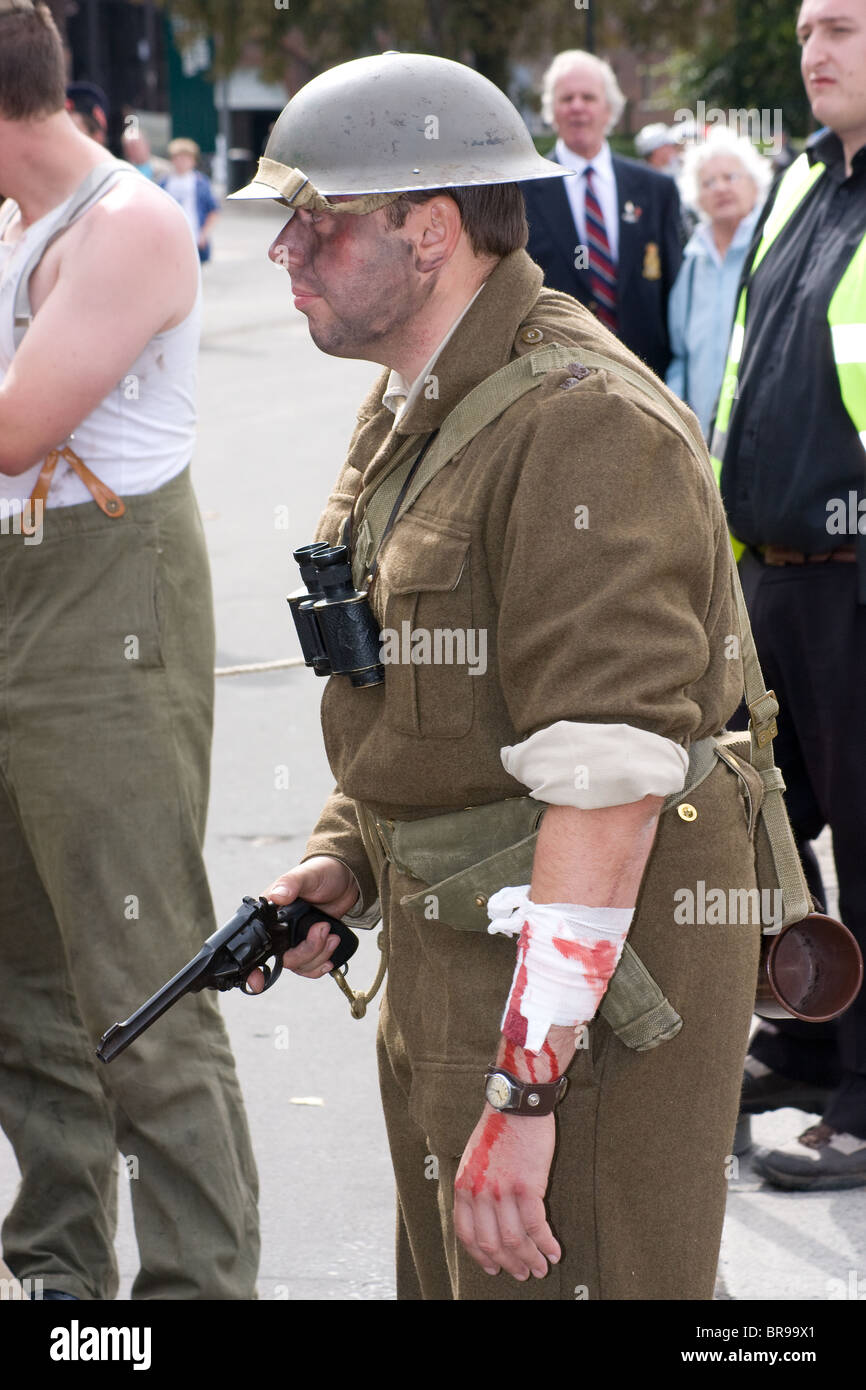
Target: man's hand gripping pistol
(258, 933)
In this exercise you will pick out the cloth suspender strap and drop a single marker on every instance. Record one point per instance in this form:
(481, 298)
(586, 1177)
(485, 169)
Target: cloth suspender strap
(7, 212)
(86, 194)
(483, 405)
(93, 187)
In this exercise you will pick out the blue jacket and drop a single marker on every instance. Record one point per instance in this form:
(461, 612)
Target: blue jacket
(700, 314)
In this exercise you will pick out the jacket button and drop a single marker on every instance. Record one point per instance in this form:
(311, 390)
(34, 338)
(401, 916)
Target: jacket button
(687, 812)
(531, 335)
(480, 900)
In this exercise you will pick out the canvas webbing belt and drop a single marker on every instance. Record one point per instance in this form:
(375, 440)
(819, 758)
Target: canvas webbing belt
(633, 1005)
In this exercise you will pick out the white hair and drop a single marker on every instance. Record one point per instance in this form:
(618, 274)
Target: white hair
(721, 140)
(575, 58)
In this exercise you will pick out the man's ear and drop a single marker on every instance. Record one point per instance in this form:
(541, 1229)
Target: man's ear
(437, 233)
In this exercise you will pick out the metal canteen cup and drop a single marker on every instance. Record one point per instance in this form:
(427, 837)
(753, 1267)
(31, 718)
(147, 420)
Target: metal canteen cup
(811, 970)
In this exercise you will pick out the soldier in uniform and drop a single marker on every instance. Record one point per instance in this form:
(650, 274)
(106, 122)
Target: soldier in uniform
(599, 657)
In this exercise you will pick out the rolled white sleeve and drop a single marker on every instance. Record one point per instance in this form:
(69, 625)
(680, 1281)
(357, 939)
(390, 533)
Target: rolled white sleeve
(594, 765)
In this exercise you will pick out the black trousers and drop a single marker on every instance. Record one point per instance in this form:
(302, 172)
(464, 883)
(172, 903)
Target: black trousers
(811, 638)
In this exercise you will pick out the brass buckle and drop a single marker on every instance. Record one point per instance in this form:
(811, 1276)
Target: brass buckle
(762, 718)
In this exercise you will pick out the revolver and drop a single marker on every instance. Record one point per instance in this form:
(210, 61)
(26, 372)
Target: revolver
(258, 932)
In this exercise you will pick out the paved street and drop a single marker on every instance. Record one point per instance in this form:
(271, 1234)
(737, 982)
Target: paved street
(275, 419)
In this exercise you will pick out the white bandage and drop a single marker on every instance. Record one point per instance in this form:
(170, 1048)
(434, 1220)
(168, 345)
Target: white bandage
(565, 958)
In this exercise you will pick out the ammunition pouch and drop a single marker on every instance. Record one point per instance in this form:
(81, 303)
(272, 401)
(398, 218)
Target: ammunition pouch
(463, 857)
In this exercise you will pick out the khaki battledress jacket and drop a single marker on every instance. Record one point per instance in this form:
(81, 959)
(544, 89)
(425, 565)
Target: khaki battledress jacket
(578, 532)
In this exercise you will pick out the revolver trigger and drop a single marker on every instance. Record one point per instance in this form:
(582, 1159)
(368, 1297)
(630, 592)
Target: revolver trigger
(254, 993)
(271, 973)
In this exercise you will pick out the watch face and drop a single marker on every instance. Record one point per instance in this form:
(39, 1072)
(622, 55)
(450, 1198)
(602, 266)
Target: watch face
(498, 1091)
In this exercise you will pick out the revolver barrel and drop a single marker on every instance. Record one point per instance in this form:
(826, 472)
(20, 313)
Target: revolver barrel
(120, 1035)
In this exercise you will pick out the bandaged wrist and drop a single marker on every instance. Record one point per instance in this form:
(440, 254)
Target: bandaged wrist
(565, 957)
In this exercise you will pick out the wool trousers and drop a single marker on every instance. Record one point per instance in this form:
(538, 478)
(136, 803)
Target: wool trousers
(106, 692)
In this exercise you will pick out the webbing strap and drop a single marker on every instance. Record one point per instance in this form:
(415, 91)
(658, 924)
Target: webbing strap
(478, 409)
(96, 183)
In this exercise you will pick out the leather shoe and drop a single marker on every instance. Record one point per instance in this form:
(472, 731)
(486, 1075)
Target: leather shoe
(821, 1160)
(767, 1090)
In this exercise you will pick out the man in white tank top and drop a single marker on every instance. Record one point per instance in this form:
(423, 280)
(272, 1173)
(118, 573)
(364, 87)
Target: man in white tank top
(106, 686)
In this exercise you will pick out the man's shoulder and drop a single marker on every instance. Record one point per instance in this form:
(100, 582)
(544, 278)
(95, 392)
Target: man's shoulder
(623, 379)
(134, 235)
(134, 196)
(134, 220)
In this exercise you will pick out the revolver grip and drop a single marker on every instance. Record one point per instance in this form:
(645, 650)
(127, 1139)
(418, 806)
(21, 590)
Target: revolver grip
(300, 916)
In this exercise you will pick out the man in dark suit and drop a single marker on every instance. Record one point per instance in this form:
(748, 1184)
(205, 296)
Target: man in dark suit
(609, 236)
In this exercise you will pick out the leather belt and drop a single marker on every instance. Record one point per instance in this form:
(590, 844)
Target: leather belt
(779, 555)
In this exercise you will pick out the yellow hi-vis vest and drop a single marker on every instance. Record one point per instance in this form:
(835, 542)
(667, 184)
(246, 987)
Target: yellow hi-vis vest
(846, 317)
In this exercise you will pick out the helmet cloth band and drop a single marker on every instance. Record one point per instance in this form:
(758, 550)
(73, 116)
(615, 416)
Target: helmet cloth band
(295, 189)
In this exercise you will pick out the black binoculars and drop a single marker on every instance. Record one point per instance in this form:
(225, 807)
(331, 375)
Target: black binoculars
(338, 633)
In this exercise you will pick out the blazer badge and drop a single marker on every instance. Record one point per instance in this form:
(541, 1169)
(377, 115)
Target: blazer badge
(630, 213)
(652, 265)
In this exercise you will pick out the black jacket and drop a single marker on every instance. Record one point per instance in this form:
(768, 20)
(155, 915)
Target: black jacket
(649, 243)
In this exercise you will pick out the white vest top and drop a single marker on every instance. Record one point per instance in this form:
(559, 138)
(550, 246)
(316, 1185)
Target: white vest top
(143, 433)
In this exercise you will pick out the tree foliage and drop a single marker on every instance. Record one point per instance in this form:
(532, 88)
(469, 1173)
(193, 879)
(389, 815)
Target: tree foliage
(732, 53)
(758, 65)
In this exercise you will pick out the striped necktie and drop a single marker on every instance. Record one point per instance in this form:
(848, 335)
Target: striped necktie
(602, 268)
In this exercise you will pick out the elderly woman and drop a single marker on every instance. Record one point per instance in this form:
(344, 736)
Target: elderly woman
(726, 179)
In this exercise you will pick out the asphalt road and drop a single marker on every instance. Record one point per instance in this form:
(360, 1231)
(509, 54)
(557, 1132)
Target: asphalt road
(275, 420)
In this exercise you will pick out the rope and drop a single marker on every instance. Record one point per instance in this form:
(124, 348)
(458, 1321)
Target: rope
(259, 666)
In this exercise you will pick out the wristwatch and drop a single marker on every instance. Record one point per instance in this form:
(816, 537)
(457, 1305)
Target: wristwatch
(505, 1093)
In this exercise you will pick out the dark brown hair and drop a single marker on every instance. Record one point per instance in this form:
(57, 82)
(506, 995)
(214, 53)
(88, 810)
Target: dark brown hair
(493, 214)
(32, 65)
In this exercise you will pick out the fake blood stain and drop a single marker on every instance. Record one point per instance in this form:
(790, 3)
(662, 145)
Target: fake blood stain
(598, 961)
(548, 1052)
(475, 1172)
(515, 1024)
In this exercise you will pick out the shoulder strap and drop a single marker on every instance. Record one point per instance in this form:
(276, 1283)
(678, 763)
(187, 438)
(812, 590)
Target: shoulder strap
(493, 395)
(94, 186)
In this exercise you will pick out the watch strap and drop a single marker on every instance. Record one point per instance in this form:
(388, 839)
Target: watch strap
(529, 1097)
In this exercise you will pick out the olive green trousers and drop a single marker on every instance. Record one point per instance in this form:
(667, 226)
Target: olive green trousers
(106, 693)
(638, 1184)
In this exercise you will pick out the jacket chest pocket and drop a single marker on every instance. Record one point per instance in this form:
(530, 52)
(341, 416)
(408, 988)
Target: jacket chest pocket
(431, 652)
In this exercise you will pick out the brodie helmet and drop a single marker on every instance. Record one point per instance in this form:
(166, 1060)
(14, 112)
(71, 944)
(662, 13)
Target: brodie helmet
(394, 123)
